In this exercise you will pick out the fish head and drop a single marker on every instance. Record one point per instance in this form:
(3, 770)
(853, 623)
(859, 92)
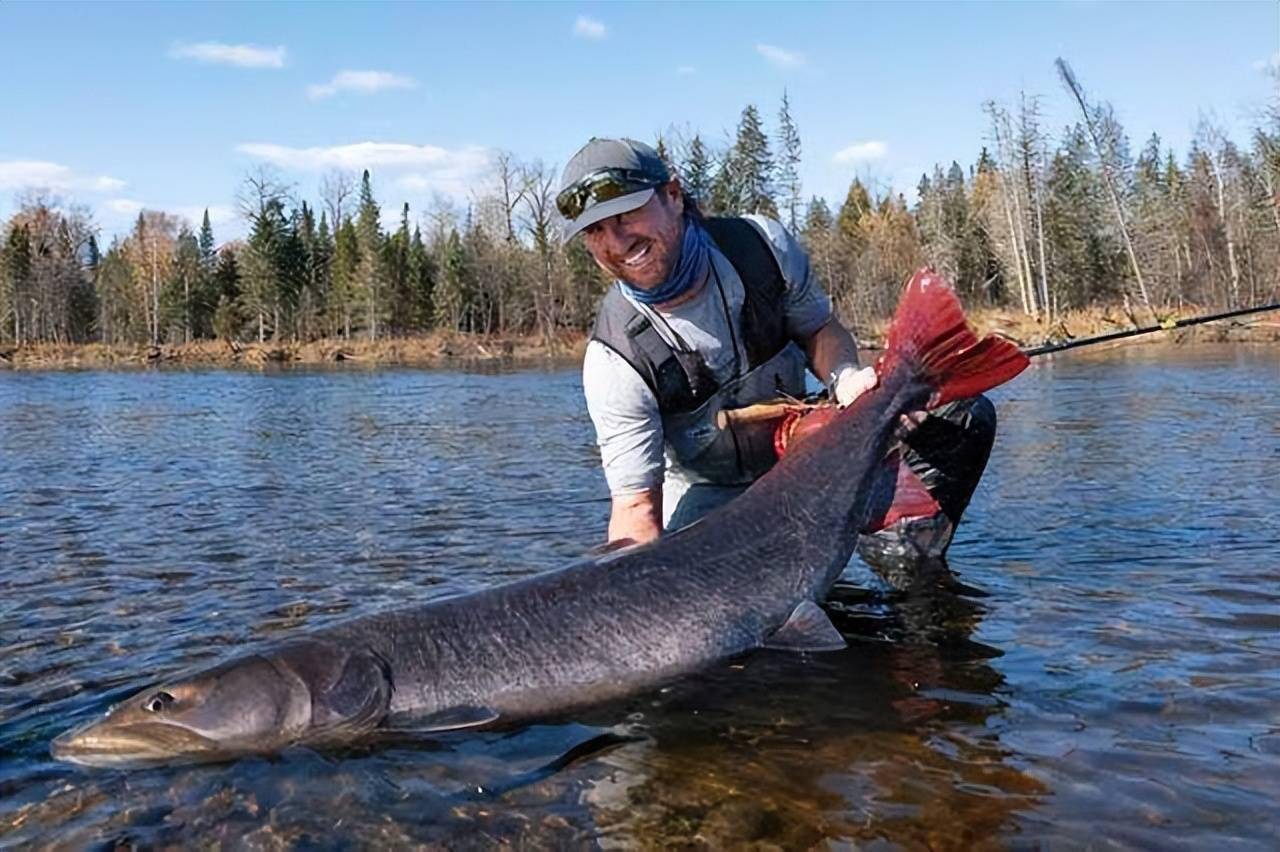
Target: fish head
(307, 690)
(248, 705)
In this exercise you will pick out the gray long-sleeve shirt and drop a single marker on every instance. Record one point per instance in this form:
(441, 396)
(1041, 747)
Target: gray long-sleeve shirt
(624, 410)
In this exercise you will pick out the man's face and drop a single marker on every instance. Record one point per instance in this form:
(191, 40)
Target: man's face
(641, 246)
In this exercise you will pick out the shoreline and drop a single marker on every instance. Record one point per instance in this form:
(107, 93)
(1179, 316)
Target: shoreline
(440, 349)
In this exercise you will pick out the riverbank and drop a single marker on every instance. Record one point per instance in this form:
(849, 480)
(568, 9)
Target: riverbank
(450, 349)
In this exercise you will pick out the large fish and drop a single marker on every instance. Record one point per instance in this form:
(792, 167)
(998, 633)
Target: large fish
(747, 576)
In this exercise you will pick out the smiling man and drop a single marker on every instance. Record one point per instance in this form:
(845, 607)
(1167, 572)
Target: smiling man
(714, 314)
(707, 314)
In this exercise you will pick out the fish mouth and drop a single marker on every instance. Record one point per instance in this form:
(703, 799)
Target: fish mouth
(103, 744)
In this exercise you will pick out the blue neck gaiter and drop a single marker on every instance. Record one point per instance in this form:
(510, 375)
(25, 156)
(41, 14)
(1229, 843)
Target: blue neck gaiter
(690, 269)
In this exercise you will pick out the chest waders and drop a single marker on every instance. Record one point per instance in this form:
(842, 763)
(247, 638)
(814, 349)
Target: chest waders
(689, 397)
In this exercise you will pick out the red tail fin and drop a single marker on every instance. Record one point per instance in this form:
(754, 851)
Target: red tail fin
(930, 330)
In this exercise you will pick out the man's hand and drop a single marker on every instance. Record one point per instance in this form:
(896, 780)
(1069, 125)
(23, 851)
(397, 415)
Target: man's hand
(908, 423)
(850, 383)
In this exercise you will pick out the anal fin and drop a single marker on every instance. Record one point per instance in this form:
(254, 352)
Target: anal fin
(807, 629)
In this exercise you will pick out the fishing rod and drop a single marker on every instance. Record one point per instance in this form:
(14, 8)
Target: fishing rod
(1134, 332)
(772, 410)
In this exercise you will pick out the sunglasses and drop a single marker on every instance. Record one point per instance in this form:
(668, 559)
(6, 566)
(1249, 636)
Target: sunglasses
(604, 185)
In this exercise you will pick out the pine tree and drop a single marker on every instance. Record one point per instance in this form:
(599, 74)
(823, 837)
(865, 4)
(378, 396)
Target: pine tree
(344, 286)
(422, 277)
(261, 266)
(396, 263)
(745, 181)
(320, 271)
(450, 293)
(227, 317)
(789, 162)
(1082, 258)
(208, 249)
(371, 273)
(291, 274)
(17, 279)
(697, 174)
(818, 220)
(856, 207)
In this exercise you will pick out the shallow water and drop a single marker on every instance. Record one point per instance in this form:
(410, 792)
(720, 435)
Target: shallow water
(1116, 685)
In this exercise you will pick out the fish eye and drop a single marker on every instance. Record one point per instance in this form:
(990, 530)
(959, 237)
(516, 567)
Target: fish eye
(158, 702)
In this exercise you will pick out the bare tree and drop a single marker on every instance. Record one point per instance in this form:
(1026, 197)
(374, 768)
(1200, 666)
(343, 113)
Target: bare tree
(260, 188)
(540, 221)
(511, 189)
(336, 186)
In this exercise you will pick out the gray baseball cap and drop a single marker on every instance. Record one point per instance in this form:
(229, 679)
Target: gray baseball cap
(613, 165)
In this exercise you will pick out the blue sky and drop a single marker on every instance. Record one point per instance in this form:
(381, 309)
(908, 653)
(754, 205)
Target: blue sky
(120, 105)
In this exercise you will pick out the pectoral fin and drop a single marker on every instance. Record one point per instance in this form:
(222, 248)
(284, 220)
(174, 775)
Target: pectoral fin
(808, 629)
(451, 719)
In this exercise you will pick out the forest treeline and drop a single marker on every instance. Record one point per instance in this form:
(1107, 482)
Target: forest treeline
(1040, 223)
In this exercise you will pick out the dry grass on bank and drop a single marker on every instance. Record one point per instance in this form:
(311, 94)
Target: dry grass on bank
(440, 349)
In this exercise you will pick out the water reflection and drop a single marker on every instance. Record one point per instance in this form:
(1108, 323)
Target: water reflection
(888, 739)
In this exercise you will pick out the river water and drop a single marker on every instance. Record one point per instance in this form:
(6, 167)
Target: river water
(1111, 678)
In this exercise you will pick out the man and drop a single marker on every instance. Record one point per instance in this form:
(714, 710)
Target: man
(707, 315)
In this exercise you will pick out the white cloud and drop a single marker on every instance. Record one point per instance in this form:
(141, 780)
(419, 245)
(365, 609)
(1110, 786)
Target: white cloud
(125, 206)
(239, 55)
(364, 82)
(779, 58)
(686, 70)
(586, 27)
(860, 152)
(366, 155)
(41, 174)
(1272, 63)
(416, 168)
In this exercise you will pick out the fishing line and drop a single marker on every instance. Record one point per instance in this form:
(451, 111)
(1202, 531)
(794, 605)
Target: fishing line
(1033, 351)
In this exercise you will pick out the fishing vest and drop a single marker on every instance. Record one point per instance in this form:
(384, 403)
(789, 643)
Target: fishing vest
(688, 394)
(681, 381)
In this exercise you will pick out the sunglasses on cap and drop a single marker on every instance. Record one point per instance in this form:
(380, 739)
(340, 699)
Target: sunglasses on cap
(604, 185)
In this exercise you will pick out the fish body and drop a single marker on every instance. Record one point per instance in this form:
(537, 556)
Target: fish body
(748, 576)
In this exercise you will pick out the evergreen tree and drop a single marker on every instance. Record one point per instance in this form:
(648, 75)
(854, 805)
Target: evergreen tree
(226, 278)
(84, 299)
(856, 207)
(745, 181)
(451, 290)
(371, 273)
(344, 284)
(396, 263)
(1081, 260)
(789, 162)
(291, 273)
(320, 268)
(422, 277)
(208, 249)
(227, 318)
(818, 220)
(697, 174)
(17, 281)
(261, 265)
(181, 311)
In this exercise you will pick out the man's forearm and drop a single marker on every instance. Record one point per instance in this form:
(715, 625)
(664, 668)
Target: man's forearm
(830, 348)
(637, 517)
